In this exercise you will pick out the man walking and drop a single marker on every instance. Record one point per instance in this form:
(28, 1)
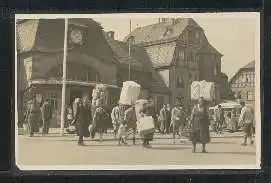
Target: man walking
(46, 113)
(246, 120)
(163, 119)
(219, 119)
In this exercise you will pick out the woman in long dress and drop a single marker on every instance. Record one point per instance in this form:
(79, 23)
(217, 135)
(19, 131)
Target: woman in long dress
(100, 119)
(200, 125)
(147, 110)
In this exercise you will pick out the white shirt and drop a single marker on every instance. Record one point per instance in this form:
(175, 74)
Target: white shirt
(246, 115)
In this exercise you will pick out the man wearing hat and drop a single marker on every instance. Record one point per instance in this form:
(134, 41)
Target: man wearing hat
(46, 113)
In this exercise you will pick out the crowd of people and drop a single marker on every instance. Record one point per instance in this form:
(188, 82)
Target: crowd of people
(87, 121)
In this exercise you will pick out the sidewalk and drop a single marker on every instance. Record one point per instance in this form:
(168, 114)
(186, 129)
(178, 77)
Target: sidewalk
(55, 132)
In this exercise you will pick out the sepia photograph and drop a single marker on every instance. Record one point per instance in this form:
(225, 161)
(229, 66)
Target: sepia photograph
(137, 91)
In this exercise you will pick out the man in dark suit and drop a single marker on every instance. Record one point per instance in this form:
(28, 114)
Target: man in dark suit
(46, 112)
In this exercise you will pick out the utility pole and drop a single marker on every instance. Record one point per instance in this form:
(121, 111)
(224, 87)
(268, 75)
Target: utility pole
(63, 99)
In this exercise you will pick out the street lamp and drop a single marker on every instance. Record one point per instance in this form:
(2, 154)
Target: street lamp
(130, 42)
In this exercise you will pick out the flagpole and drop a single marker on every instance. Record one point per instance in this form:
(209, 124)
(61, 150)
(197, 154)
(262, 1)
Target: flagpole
(130, 51)
(63, 98)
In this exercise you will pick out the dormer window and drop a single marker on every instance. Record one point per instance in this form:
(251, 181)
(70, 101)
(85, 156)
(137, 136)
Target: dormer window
(168, 32)
(197, 35)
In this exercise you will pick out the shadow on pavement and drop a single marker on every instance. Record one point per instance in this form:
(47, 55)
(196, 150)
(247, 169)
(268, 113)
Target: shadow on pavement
(223, 142)
(234, 153)
(169, 148)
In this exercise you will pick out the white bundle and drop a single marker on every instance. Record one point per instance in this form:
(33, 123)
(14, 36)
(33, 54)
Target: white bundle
(195, 90)
(139, 104)
(129, 93)
(146, 125)
(207, 90)
(203, 89)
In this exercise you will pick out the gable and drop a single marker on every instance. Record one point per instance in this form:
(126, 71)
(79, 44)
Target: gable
(161, 55)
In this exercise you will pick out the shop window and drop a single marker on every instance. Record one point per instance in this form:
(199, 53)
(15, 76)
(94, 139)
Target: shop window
(53, 100)
(180, 82)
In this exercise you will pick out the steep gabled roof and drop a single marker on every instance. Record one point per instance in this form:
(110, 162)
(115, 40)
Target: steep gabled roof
(250, 65)
(156, 32)
(209, 49)
(47, 35)
(121, 52)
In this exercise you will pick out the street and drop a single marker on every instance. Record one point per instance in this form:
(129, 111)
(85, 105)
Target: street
(53, 150)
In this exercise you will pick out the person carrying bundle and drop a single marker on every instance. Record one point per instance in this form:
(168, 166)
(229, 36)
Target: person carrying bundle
(130, 118)
(147, 111)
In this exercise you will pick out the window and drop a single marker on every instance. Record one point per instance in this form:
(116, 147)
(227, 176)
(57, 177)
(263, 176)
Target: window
(181, 55)
(215, 71)
(197, 34)
(168, 32)
(53, 100)
(249, 95)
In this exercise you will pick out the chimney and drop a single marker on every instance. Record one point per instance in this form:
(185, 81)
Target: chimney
(111, 35)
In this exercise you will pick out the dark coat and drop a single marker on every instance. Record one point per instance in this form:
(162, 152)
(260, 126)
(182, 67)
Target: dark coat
(83, 120)
(200, 125)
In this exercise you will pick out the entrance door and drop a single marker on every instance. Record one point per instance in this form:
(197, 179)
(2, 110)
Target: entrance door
(75, 94)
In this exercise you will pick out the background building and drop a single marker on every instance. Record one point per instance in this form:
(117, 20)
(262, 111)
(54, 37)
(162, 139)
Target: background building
(141, 70)
(242, 83)
(180, 53)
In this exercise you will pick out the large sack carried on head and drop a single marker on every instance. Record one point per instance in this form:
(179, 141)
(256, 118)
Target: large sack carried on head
(146, 125)
(139, 105)
(207, 90)
(129, 93)
(195, 90)
(100, 92)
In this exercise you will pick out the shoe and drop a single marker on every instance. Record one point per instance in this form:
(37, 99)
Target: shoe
(81, 143)
(244, 144)
(252, 142)
(203, 151)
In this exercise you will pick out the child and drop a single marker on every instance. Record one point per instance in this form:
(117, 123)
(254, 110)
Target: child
(122, 134)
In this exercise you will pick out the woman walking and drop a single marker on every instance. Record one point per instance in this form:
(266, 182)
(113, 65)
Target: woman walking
(200, 125)
(147, 110)
(100, 119)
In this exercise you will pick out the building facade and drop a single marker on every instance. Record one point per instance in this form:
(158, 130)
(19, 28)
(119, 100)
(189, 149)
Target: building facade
(180, 53)
(40, 61)
(242, 84)
(141, 70)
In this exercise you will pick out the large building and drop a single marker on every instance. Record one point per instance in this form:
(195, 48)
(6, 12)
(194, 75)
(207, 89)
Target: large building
(242, 83)
(40, 60)
(92, 58)
(180, 53)
(141, 70)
